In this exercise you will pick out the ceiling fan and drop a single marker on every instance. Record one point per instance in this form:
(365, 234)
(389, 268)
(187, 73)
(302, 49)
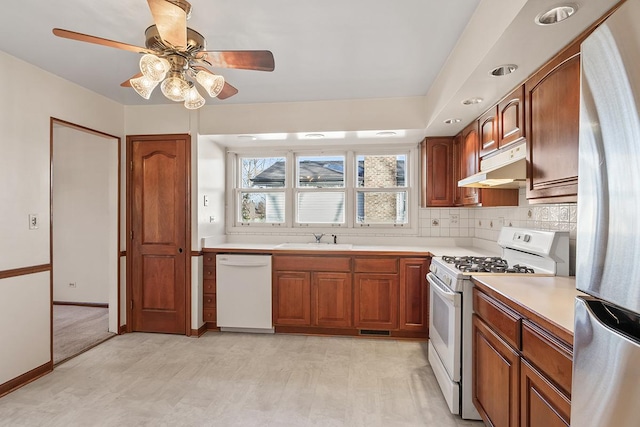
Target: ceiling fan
(175, 55)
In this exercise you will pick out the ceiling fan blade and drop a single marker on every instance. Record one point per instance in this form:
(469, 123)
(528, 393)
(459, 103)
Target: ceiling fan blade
(261, 60)
(98, 40)
(171, 20)
(127, 83)
(227, 91)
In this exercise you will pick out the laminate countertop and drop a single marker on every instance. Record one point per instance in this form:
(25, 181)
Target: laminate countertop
(548, 301)
(324, 248)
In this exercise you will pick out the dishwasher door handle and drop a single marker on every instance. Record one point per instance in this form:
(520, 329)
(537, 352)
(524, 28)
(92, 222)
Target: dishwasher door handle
(242, 263)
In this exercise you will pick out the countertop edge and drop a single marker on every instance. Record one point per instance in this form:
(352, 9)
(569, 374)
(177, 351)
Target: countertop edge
(555, 328)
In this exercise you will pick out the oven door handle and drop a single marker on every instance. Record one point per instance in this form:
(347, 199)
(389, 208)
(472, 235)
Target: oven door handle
(442, 290)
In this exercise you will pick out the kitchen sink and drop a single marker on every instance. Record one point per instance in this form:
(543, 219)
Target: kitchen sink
(315, 246)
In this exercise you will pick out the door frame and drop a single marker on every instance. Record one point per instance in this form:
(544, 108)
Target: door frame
(52, 122)
(129, 210)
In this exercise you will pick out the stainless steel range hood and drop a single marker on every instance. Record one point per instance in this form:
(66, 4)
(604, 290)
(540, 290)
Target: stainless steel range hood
(507, 169)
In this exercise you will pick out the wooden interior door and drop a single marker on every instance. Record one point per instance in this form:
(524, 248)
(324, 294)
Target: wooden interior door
(159, 231)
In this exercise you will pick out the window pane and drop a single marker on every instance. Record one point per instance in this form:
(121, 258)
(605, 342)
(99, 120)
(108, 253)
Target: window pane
(381, 207)
(321, 207)
(382, 171)
(261, 207)
(320, 171)
(262, 172)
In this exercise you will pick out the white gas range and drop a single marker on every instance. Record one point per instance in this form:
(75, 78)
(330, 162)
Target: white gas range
(524, 251)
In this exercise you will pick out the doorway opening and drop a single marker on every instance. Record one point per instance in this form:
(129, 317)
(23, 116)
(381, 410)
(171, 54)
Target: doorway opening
(85, 239)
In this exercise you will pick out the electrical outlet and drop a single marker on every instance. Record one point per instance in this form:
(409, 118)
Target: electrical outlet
(72, 284)
(212, 218)
(435, 223)
(34, 222)
(453, 219)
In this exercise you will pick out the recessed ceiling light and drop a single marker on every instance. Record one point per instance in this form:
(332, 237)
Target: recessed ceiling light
(556, 14)
(472, 101)
(314, 136)
(248, 137)
(386, 133)
(503, 70)
(452, 121)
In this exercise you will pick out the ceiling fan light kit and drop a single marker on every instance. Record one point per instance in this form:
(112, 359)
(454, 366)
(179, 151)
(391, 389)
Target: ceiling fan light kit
(175, 57)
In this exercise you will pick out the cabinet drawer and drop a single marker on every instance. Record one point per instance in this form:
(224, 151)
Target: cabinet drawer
(375, 265)
(209, 301)
(209, 259)
(312, 263)
(501, 318)
(209, 272)
(209, 286)
(553, 357)
(209, 315)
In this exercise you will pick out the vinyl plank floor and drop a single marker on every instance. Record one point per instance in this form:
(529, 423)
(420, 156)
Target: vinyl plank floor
(230, 379)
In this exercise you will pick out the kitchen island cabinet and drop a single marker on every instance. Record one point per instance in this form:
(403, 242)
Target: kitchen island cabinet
(522, 350)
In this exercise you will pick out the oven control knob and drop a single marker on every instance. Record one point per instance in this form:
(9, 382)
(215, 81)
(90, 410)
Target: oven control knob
(527, 237)
(433, 268)
(447, 280)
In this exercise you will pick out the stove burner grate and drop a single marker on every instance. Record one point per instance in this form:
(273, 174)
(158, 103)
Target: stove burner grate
(475, 264)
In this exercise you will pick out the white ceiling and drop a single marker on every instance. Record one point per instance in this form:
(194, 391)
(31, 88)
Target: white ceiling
(323, 49)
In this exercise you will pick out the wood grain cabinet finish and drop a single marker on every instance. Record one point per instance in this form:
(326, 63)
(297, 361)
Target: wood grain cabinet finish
(511, 126)
(414, 294)
(292, 298)
(437, 179)
(469, 162)
(496, 377)
(521, 370)
(209, 314)
(375, 299)
(331, 299)
(553, 110)
(488, 131)
(456, 153)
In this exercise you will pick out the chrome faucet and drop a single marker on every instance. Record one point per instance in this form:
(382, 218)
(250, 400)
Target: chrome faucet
(318, 237)
(335, 239)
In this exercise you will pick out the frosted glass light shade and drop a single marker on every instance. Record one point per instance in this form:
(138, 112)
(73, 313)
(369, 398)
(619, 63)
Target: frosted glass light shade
(154, 67)
(193, 100)
(144, 86)
(212, 83)
(174, 88)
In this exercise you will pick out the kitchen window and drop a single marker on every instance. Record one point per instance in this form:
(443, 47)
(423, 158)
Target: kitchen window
(330, 189)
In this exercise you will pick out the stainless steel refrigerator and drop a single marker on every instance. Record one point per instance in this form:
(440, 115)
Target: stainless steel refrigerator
(606, 364)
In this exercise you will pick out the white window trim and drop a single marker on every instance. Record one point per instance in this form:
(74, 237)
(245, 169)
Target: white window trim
(233, 226)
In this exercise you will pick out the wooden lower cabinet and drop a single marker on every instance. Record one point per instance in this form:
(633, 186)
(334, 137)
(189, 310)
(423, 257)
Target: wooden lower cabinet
(542, 404)
(209, 313)
(414, 294)
(331, 299)
(375, 299)
(496, 379)
(292, 298)
(521, 371)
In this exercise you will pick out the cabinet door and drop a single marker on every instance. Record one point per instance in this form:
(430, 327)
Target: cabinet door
(292, 298)
(543, 405)
(488, 131)
(331, 299)
(376, 301)
(511, 118)
(469, 162)
(439, 172)
(553, 110)
(457, 171)
(414, 294)
(496, 374)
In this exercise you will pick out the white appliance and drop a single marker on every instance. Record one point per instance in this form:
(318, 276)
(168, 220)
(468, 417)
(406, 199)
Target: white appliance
(243, 293)
(606, 342)
(524, 251)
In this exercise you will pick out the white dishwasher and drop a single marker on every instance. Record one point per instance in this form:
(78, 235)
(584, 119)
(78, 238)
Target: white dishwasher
(243, 293)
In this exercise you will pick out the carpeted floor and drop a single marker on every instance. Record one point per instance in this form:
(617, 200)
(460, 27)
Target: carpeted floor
(77, 329)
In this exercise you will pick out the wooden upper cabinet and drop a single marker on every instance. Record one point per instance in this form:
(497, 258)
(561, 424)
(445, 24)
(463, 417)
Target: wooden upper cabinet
(488, 131)
(437, 178)
(511, 118)
(456, 152)
(469, 162)
(553, 110)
